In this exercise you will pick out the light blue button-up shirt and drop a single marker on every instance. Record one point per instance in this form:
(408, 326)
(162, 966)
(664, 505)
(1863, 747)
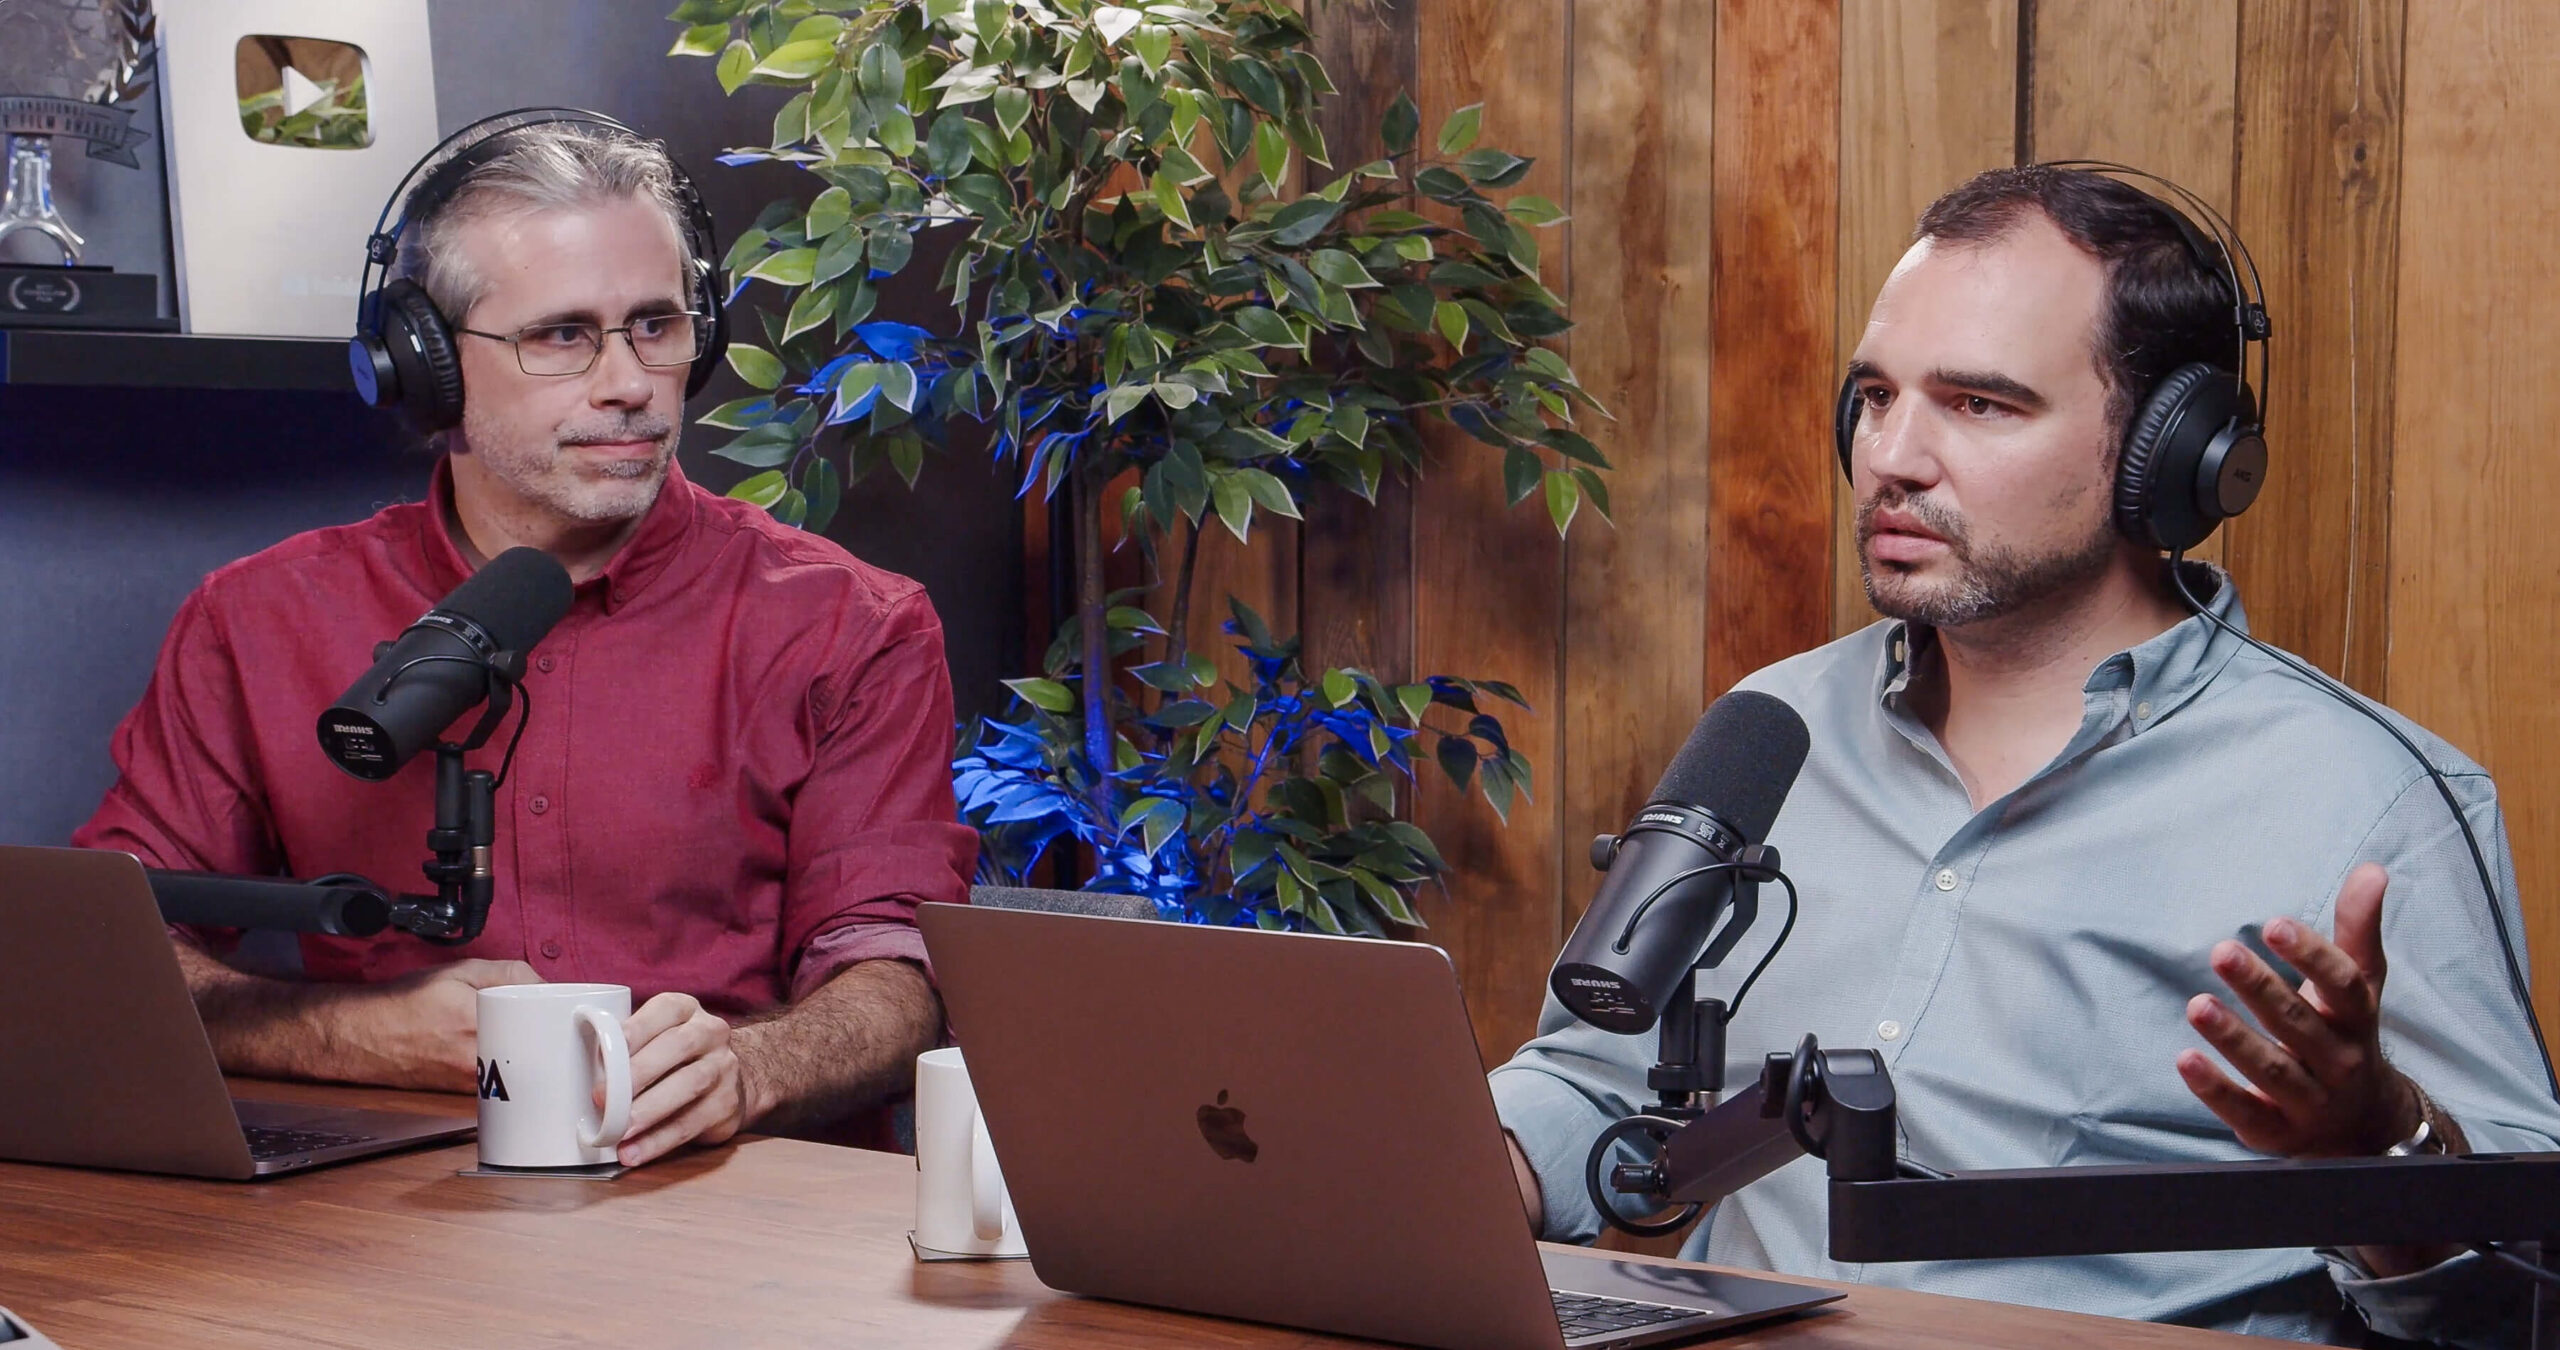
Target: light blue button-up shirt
(2024, 968)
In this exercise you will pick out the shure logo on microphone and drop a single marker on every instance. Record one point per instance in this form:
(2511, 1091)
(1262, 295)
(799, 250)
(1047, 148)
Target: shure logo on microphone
(344, 730)
(1663, 818)
(1580, 983)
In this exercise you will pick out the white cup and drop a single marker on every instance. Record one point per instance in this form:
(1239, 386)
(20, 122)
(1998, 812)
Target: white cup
(542, 1049)
(962, 1208)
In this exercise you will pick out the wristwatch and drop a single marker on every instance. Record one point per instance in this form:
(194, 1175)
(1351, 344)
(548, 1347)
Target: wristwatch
(2424, 1141)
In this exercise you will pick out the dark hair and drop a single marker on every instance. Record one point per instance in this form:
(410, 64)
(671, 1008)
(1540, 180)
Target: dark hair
(2165, 307)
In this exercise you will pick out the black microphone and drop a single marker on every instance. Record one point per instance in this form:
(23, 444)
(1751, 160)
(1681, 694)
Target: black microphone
(341, 906)
(1649, 922)
(446, 664)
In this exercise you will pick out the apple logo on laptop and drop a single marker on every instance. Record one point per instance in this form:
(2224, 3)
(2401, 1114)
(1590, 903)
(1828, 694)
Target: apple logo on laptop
(1223, 1126)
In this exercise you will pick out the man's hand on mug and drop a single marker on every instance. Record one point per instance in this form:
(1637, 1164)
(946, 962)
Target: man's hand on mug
(422, 1030)
(687, 1085)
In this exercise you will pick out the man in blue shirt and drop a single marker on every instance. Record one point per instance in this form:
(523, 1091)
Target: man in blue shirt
(2045, 797)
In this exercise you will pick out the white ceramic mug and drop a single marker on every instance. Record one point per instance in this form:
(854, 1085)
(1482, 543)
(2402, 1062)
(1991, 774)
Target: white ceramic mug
(962, 1208)
(543, 1048)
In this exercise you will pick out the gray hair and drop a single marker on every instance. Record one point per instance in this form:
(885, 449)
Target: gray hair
(547, 167)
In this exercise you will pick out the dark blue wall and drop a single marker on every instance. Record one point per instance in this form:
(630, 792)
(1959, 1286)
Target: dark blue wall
(114, 503)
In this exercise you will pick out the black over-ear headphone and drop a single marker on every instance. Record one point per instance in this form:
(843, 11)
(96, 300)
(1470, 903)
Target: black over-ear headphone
(403, 354)
(2195, 453)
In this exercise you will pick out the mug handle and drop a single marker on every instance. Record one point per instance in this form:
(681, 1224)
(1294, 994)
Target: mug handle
(986, 1184)
(617, 1080)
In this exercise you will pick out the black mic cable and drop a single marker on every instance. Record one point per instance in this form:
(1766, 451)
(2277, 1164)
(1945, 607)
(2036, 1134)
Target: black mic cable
(2479, 859)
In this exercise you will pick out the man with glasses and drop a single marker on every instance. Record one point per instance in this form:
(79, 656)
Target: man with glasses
(734, 788)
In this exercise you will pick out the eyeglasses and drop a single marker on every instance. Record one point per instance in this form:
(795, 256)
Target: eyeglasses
(659, 340)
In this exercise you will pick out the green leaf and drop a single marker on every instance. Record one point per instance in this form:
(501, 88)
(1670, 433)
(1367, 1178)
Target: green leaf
(1529, 210)
(1493, 168)
(815, 306)
(705, 11)
(762, 490)
(898, 384)
(1520, 473)
(755, 365)
(1593, 488)
(1339, 688)
(946, 147)
(1269, 493)
(736, 60)
(1153, 42)
(762, 447)
(897, 134)
(891, 246)
(701, 40)
(793, 509)
(795, 61)
(732, 415)
(1234, 503)
(1130, 618)
(829, 212)
(1459, 131)
(1573, 445)
(881, 77)
(824, 488)
(1450, 318)
(790, 267)
(1114, 22)
(1413, 248)
(1271, 152)
(840, 254)
(1117, 403)
(1175, 394)
(1340, 268)
(1402, 123)
(1564, 498)
(1265, 326)
(1254, 79)
(1012, 108)
(1415, 699)
(1168, 195)
(1047, 695)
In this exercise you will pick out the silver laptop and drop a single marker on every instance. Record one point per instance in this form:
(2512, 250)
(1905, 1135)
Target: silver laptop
(1278, 1127)
(103, 1061)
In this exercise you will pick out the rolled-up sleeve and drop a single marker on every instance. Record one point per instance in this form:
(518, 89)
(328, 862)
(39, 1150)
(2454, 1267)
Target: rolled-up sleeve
(874, 829)
(1554, 1097)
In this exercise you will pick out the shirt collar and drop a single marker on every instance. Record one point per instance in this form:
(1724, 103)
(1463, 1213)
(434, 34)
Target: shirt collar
(2160, 675)
(640, 561)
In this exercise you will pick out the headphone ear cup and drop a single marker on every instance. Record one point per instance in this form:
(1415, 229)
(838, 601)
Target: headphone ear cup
(2157, 502)
(1844, 422)
(717, 346)
(422, 353)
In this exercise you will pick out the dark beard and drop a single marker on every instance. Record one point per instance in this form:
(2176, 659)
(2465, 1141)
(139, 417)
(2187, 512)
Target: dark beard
(1990, 583)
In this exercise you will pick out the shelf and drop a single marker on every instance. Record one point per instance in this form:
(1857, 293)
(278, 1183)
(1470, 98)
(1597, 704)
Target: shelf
(96, 359)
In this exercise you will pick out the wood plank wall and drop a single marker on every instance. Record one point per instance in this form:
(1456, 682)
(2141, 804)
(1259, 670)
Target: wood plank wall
(1742, 174)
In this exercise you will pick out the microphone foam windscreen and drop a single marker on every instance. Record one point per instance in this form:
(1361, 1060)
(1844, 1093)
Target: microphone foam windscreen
(1740, 762)
(515, 597)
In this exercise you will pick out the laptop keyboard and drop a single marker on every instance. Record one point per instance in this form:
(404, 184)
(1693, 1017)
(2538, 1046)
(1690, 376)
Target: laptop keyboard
(1591, 1315)
(269, 1141)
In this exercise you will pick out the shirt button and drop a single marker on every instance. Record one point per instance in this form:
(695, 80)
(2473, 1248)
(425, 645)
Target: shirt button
(1887, 1029)
(551, 950)
(2142, 711)
(540, 805)
(544, 665)
(1946, 875)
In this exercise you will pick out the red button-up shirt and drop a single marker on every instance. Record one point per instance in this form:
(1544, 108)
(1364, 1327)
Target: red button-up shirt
(735, 783)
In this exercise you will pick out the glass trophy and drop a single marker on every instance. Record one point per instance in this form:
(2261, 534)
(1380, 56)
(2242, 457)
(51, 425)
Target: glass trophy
(70, 71)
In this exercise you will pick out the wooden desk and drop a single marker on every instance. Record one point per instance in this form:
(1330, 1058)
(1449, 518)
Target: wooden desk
(767, 1242)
